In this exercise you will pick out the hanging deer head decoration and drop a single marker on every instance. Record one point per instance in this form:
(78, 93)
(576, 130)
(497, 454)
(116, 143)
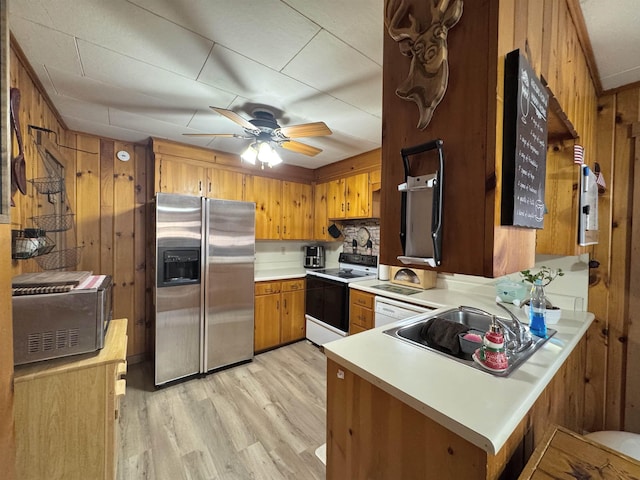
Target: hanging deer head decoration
(426, 45)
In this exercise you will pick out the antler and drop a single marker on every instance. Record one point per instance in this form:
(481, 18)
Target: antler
(394, 14)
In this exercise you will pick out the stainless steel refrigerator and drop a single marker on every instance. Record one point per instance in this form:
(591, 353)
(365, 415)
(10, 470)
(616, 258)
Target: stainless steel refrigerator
(204, 284)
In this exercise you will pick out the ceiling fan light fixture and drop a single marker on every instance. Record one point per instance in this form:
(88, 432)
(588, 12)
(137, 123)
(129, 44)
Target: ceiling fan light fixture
(267, 155)
(250, 154)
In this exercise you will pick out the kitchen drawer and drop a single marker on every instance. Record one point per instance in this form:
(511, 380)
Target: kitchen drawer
(293, 285)
(361, 299)
(267, 288)
(360, 316)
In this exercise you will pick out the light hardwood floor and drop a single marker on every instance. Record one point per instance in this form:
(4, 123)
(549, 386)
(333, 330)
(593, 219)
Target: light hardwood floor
(260, 420)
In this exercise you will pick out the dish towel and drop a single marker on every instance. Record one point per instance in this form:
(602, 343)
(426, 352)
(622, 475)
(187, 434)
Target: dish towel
(443, 334)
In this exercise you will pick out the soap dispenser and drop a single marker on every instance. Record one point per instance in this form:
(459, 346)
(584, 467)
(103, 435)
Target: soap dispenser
(491, 355)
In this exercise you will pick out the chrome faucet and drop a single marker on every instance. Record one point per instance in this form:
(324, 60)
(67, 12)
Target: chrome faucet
(517, 336)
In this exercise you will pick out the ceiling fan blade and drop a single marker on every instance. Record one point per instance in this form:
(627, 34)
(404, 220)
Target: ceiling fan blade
(228, 135)
(234, 117)
(316, 129)
(300, 148)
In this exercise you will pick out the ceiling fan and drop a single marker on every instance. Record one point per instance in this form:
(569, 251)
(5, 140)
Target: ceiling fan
(266, 134)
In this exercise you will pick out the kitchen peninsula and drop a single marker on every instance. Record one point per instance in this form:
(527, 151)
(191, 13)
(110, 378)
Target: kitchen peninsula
(398, 411)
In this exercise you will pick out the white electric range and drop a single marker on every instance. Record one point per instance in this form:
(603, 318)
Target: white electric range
(327, 296)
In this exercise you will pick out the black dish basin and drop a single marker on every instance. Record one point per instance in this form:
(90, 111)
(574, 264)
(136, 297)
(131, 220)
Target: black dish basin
(413, 335)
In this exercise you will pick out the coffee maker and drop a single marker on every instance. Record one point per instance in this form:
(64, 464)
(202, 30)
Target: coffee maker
(314, 256)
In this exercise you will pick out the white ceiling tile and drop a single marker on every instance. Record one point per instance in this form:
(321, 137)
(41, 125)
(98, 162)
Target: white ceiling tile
(72, 107)
(105, 94)
(127, 73)
(103, 130)
(235, 73)
(46, 46)
(332, 66)
(358, 23)
(124, 28)
(152, 127)
(267, 30)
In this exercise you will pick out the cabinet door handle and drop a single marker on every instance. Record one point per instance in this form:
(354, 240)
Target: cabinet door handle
(200, 185)
(322, 230)
(209, 187)
(342, 206)
(284, 229)
(278, 229)
(348, 206)
(285, 303)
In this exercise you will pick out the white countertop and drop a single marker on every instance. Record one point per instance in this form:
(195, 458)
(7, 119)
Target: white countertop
(479, 407)
(279, 274)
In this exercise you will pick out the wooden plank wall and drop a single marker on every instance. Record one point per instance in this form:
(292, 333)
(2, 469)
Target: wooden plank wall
(108, 198)
(632, 400)
(609, 298)
(7, 438)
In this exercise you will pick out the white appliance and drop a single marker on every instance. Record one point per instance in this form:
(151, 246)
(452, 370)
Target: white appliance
(388, 311)
(327, 296)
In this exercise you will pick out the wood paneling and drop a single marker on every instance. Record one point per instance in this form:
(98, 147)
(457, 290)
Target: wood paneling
(597, 338)
(362, 163)
(7, 440)
(632, 400)
(371, 434)
(267, 195)
(627, 113)
(297, 211)
(66, 413)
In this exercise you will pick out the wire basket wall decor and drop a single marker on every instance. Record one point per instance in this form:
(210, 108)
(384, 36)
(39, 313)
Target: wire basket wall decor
(48, 185)
(54, 223)
(60, 259)
(30, 243)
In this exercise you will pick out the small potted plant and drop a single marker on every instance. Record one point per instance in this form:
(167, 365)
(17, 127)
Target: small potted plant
(546, 275)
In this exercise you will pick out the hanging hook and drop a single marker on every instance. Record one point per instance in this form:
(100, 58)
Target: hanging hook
(42, 129)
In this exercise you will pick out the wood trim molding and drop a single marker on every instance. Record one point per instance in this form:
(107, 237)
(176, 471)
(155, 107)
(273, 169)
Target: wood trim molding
(5, 130)
(585, 42)
(632, 391)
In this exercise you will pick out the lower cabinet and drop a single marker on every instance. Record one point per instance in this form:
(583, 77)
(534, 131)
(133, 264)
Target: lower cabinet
(279, 313)
(361, 313)
(66, 412)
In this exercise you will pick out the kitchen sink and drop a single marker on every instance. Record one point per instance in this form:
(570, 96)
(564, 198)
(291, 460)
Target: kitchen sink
(475, 320)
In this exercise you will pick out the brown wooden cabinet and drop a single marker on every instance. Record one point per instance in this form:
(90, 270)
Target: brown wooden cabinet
(349, 197)
(66, 412)
(292, 322)
(320, 217)
(178, 176)
(361, 313)
(279, 313)
(373, 434)
(267, 316)
(283, 208)
(224, 184)
(267, 194)
(297, 212)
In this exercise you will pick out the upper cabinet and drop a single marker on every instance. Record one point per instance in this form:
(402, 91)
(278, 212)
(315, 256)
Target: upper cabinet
(177, 176)
(320, 217)
(349, 197)
(267, 194)
(297, 211)
(283, 209)
(469, 120)
(225, 184)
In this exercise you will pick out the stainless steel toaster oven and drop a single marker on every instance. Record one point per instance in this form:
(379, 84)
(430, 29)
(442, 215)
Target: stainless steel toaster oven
(50, 325)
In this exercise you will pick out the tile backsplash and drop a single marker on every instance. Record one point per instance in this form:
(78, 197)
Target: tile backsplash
(350, 230)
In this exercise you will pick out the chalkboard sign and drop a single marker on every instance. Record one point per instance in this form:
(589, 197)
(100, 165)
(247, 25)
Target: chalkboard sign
(524, 146)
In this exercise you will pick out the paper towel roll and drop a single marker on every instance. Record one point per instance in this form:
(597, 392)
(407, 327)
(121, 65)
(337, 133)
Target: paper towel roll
(383, 272)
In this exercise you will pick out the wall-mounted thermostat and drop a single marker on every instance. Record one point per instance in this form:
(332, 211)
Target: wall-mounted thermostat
(123, 156)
